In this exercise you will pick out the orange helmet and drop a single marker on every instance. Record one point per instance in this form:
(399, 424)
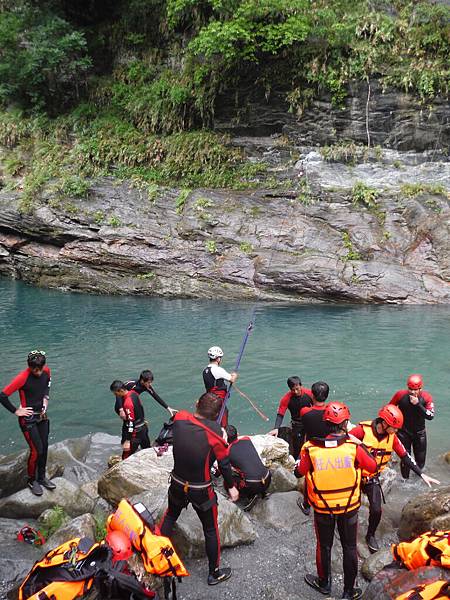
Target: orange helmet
(392, 415)
(120, 545)
(415, 382)
(336, 412)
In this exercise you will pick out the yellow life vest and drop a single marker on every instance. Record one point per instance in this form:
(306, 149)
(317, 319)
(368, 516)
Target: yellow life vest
(156, 551)
(381, 450)
(334, 483)
(430, 548)
(438, 590)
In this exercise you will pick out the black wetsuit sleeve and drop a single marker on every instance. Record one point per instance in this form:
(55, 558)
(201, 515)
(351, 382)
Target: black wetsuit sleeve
(278, 421)
(227, 473)
(428, 414)
(158, 398)
(411, 463)
(7, 403)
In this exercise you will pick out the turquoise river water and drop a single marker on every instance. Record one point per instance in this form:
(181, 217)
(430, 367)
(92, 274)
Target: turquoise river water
(364, 352)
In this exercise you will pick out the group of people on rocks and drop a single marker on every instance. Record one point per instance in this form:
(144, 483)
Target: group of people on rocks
(338, 460)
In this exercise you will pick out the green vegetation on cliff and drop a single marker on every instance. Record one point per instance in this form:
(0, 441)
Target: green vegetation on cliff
(129, 87)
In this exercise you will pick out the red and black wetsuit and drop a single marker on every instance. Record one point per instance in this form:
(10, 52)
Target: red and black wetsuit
(32, 391)
(250, 474)
(197, 443)
(413, 433)
(136, 430)
(372, 487)
(313, 424)
(294, 403)
(138, 388)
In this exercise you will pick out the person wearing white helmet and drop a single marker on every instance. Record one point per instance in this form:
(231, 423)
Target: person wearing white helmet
(215, 377)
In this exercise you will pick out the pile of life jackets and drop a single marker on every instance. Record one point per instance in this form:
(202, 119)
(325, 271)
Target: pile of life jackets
(429, 549)
(78, 566)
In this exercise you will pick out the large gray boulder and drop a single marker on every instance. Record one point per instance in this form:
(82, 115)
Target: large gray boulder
(283, 480)
(427, 511)
(273, 451)
(67, 495)
(82, 526)
(235, 528)
(140, 472)
(79, 459)
(279, 511)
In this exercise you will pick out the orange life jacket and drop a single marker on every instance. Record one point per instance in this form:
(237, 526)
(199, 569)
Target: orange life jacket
(157, 552)
(438, 590)
(381, 450)
(69, 553)
(430, 548)
(334, 482)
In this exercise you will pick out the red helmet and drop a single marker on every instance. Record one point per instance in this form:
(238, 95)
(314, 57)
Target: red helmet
(120, 545)
(336, 412)
(392, 415)
(415, 382)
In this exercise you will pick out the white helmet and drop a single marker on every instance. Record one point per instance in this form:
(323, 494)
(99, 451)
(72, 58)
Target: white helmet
(215, 352)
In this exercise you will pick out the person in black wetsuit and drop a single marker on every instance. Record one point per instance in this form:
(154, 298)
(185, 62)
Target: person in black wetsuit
(417, 407)
(297, 398)
(134, 429)
(197, 443)
(251, 477)
(33, 385)
(314, 426)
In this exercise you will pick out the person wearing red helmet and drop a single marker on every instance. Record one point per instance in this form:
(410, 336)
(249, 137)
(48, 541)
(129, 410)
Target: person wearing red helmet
(379, 436)
(333, 468)
(417, 407)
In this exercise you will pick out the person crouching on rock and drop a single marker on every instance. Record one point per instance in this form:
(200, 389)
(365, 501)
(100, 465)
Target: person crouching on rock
(380, 437)
(332, 468)
(197, 443)
(215, 378)
(33, 385)
(251, 476)
(135, 431)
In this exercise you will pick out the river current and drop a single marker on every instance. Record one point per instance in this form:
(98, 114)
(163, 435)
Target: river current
(364, 352)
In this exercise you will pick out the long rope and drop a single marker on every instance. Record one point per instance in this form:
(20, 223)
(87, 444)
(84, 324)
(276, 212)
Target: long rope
(252, 404)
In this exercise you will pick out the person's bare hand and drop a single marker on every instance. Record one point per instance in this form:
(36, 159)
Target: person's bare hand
(273, 432)
(234, 494)
(24, 411)
(122, 414)
(126, 445)
(429, 480)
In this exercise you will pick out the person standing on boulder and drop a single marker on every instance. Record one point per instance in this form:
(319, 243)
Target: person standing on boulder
(297, 398)
(33, 385)
(215, 378)
(333, 468)
(134, 431)
(417, 407)
(380, 438)
(197, 443)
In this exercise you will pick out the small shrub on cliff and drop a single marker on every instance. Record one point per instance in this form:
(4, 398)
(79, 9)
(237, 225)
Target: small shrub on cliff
(364, 195)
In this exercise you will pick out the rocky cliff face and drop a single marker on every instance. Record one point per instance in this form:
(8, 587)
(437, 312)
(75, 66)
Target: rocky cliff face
(305, 237)
(315, 245)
